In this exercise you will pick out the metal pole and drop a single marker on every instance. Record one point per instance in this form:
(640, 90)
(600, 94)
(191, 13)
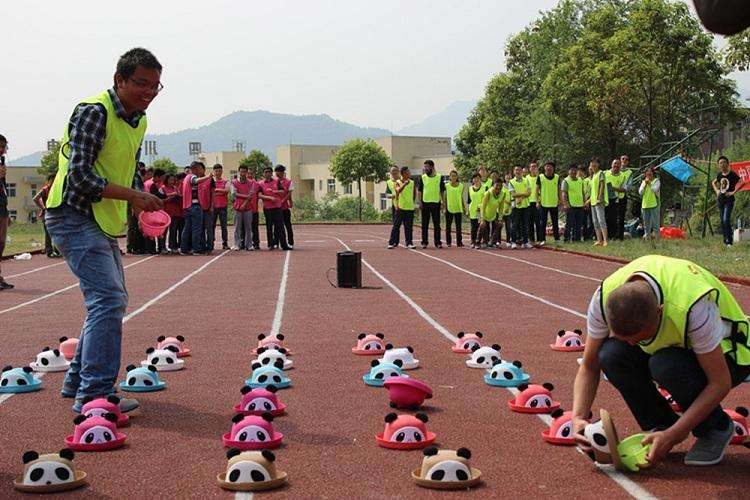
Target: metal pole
(708, 187)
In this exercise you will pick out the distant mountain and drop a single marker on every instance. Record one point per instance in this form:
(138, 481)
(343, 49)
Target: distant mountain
(446, 123)
(32, 160)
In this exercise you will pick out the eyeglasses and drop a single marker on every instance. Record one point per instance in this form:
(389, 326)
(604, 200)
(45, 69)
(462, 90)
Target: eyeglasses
(142, 84)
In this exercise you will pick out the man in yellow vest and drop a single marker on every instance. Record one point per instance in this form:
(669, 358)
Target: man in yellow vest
(405, 203)
(536, 228)
(573, 195)
(547, 188)
(430, 192)
(87, 210)
(520, 192)
(390, 190)
(618, 184)
(670, 321)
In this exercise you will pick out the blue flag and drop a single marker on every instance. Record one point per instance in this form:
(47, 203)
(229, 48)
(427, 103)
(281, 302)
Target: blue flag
(678, 168)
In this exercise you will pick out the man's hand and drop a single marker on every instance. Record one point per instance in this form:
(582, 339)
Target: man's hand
(3, 171)
(141, 201)
(579, 424)
(661, 443)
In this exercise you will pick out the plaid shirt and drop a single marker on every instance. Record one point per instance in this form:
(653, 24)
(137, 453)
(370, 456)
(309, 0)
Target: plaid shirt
(87, 132)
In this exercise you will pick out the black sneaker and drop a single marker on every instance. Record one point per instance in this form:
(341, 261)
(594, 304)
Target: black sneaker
(4, 285)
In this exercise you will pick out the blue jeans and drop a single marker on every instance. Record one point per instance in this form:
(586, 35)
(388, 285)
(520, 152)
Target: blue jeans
(191, 231)
(95, 260)
(725, 215)
(574, 224)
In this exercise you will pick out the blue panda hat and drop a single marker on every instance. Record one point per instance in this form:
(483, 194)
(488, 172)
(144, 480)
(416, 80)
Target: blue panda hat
(265, 375)
(506, 374)
(18, 380)
(142, 379)
(380, 371)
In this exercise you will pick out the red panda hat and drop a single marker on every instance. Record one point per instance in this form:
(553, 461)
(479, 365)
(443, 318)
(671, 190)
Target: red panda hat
(467, 342)
(271, 341)
(177, 341)
(405, 432)
(560, 431)
(369, 344)
(95, 433)
(99, 406)
(259, 401)
(568, 341)
(534, 398)
(253, 432)
(739, 421)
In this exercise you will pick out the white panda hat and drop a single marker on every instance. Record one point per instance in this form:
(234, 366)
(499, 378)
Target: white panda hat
(50, 360)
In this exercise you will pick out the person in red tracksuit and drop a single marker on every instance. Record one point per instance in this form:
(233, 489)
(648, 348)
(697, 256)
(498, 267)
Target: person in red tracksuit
(286, 202)
(272, 193)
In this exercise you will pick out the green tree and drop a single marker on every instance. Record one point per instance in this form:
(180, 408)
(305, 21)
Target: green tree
(358, 160)
(737, 51)
(165, 164)
(49, 161)
(255, 162)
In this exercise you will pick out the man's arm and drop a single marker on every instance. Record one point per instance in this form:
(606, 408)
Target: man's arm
(737, 187)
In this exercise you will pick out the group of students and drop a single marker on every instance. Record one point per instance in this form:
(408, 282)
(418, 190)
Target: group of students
(197, 201)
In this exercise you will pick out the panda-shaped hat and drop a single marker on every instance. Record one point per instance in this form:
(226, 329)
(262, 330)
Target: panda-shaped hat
(263, 376)
(466, 342)
(484, 357)
(568, 341)
(18, 380)
(252, 432)
(405, 432)
(50, 360)
(95, 433)
(251, 471)
(164, 360)
(560, 431)
(739, 421)
(380, 372)
(177, 341)
(369, 344)
(99, 406)
(534, 398)
(275, 341)
(142, 379)
(506, 374)
(408, 393)
(274, 357)
(49, 473)
(404, 354)
(68, 347)
(446, 470)
(259, 401)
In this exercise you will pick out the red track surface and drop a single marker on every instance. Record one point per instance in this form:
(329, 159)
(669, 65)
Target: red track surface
(174, 442)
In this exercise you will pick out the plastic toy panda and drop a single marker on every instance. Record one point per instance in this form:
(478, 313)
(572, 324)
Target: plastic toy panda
(100, 406)
(484, 357)
(49, 473)
(164, 360)
(568, 341)
(596, 436)
(446, 469)
(251, 471)
(380, 372)
(465, 343)
(534, 398)
(142, 379)
(50, 360)
(68, 347)
(404, 354)
(271, 341)
(263, 376)
(506, 374)
(275, 357)
(739, 420)
(260, 400)
(252, 432)
(177, 342)
(369, 344)
(95, 433)
(405, 432)
(18, 380)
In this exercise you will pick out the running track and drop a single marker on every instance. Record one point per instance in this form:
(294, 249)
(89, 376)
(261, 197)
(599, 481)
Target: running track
(220, 303)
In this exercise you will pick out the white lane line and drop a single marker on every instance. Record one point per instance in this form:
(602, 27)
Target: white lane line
(35, 270)
(313, 241)
(62, 290)
(590, 278)
(365, 241)
(632, 488)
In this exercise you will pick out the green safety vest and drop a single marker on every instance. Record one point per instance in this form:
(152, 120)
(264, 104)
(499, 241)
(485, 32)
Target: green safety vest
(575, 191)
(520, 187)
(650, 199)
(430, 188)
(406, 197)
(682, 284)
(505, 196)
(595, 180)
(475, 200)
(453, 198)
(616, 181)
(586, 186)
(531, 179)
(549, 194)
(488, 183)
(115, 162)
(491, 209)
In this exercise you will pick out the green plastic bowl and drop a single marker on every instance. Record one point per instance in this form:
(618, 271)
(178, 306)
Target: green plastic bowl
(632, 452)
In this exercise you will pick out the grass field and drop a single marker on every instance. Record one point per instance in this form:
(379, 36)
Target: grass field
(24, 238)
(709, 252)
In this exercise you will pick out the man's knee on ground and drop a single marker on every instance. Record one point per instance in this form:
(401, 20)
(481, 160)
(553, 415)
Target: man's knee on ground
(612, 354)
(674, 365)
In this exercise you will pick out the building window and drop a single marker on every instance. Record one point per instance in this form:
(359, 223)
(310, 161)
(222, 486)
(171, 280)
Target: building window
(32, 217)
(13, 215)
(331, 185)
(33, 189)
(383, 201)
(10, 189)
(320, 185)
(348, 189)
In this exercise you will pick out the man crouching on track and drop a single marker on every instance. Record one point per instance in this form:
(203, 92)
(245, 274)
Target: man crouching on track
(668, 321)
(87, 210)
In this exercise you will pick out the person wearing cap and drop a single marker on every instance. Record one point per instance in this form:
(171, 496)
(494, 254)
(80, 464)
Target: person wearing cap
(286, 202)
(193, 200)
(573, 198)
(272, 192)
(243, 191)
(669, 321)
(429, 196)
(547, 188)
(220, 203)
(87, 209)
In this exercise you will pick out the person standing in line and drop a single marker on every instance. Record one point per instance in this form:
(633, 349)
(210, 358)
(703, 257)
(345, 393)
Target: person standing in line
(40, 200)
(406, 197)
(173, 206)
(726, 184)
(536, 228)
(619, 181)
(573, 199)
(520, 192)
(255, 223)
(4, 214)
(243, 190)
(588, 222)
(271, 195)
(490, 213)
(206, 197)
(484, 176)
(650, 209)
(220, 203)
(548, 196)
(154, 187)
(390, 190)
(286, 202)
(193, 199)
(429, 195)
(455, 207)
(87, 209)
(136, 240)
(475, 195)
(599, 199)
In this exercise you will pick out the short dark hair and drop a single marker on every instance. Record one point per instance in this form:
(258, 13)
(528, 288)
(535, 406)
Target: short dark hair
(550, 163)
(133, 58)
(573, 166)
(197, 164)
(180, 176)
(159, 172)
(3, 140)
(150, 169)
(404, 169)
(494, 171)
(595, 159)
(280, 168)
(429, 162)
(267, 169)
(242, 167)
(722, 157)
(475, 176)
(218, 166)
(140, 165)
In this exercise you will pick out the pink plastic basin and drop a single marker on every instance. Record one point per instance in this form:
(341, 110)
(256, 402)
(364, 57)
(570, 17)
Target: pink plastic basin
(153, 224)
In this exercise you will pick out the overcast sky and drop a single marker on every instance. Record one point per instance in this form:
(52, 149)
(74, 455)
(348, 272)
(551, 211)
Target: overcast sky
(384, 63)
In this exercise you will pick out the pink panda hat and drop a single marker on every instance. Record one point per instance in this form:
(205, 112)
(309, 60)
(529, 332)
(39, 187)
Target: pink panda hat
(259, 401)
(534, 398)
(68, 347)
(369, 344)
(177, 341)
(560, 431)
(271, 342)
(95, 434)
(406, 392)
(465, 342)
(252, 432)
(567, 341)
(98, 407)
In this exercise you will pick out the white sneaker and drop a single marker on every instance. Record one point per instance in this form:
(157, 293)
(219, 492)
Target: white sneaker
(391, 247)
(410, 247)
(508, 245)
(541, 243)
(528, 245)
(513, 246)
